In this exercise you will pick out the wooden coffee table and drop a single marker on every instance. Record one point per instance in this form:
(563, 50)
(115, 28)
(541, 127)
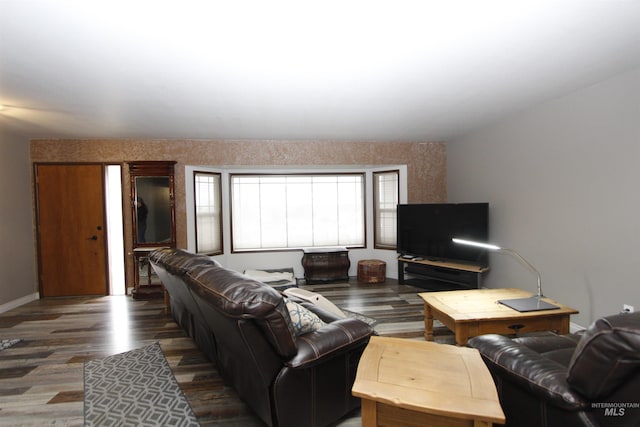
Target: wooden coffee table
(417, 383)
(476, 312)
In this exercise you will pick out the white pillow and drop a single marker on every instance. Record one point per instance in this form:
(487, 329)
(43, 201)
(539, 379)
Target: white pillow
(316, 299)
(303, 320)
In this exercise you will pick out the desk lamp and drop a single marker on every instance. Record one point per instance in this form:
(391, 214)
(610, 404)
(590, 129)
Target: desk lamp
(533, 303)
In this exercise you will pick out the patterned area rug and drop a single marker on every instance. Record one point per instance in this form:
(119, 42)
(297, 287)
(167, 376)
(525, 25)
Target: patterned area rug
(136, 388)
(5, 344)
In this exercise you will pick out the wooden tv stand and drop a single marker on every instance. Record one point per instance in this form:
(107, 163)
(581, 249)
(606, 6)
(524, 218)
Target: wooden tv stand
(438, 275)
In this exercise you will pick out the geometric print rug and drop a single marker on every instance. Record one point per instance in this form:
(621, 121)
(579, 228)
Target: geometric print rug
(4, 344)
(136, 388)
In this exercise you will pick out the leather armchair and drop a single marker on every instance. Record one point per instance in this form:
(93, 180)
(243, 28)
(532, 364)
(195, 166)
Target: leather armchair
(586, 379)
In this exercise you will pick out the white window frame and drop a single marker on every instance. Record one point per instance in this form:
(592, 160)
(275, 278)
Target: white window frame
(213, 210)
(369, 251)
(385, 210)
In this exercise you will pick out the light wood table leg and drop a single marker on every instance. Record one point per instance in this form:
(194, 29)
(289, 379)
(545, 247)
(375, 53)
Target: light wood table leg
(462, 335)
(368, 413)
(428, 323)
(463, 331)
(564, 325)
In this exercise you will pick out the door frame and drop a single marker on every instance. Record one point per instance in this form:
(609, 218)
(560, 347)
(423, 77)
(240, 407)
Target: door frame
(103, 189)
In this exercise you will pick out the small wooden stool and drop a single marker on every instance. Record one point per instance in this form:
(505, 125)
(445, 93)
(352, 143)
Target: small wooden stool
(372, 271)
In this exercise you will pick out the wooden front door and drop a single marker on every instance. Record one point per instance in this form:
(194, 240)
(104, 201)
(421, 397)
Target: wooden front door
(71, 221)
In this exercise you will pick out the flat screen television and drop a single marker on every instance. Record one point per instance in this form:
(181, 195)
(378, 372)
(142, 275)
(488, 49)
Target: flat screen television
(426, 230)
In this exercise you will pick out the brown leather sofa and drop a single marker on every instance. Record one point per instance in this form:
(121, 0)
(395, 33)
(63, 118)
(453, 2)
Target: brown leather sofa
(586, 379)
(245, 328)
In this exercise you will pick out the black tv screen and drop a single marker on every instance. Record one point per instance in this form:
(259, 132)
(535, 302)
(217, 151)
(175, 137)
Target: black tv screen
(426, 230)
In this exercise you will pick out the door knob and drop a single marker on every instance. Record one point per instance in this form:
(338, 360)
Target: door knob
(93, 237)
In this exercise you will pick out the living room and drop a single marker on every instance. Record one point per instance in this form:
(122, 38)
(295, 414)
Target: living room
(559, 174)
(559, 177)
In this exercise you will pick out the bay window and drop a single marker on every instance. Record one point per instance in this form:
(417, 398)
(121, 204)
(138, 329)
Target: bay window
(288, 211)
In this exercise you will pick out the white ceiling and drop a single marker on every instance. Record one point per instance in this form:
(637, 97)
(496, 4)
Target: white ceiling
(340, 70)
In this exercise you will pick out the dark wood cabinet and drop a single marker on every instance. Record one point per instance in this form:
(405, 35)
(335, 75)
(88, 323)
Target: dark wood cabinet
(153, 220)
(325, 264)
(145, 275)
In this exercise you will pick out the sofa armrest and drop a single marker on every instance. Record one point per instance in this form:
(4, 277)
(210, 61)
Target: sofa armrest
(329, 341)
(532, 371)
(324, 315)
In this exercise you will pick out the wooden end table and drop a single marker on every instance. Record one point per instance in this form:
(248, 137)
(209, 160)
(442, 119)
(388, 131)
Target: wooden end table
(476, 312)
(417, 383)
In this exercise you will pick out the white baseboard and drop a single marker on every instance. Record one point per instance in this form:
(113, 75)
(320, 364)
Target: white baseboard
(574, 327)
(18, 302)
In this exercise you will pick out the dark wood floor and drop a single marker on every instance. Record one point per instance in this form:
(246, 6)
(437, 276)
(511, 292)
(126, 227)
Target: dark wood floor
(41, 378)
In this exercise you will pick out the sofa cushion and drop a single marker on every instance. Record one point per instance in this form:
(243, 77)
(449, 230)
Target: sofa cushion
(238, 296)
(303, 320)
(178, 261)
(531, 370)
(559, 348)
(607, 354)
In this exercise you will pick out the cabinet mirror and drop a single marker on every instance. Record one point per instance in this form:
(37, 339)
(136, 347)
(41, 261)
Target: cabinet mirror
(152, 204)
(153, 210)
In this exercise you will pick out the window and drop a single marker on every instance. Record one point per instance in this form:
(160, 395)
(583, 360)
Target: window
(208, 210)
(276, 211)
(385, 201)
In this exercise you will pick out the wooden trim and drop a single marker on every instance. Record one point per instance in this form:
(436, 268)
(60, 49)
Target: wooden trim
(474, 268)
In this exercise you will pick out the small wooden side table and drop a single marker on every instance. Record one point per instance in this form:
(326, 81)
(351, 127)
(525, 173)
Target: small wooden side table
(417, 383)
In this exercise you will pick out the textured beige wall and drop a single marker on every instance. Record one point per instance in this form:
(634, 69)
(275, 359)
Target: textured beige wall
(426, 161)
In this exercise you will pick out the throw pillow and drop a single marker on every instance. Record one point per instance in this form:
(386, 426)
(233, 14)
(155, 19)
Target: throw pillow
(303, 320)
